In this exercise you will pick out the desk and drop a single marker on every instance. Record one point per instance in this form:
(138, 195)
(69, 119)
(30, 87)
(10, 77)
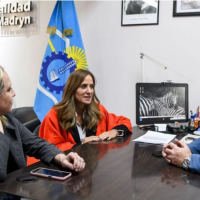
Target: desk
(115, 170)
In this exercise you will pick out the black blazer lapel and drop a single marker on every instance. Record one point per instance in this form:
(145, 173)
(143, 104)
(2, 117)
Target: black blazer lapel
(75, 135)
(90, 133)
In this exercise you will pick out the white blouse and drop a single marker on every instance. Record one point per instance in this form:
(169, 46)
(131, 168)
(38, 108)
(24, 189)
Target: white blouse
(81, 131)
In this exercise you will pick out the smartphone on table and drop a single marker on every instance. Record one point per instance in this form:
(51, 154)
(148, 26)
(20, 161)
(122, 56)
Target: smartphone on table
(51, 173)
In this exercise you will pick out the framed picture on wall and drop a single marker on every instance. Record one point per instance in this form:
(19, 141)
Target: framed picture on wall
(186, 8)
(139, 12)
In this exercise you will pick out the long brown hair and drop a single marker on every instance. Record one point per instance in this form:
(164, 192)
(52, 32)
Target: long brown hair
(66, 108)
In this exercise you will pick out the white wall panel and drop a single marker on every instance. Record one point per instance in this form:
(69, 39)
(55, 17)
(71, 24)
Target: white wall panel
(113, 54)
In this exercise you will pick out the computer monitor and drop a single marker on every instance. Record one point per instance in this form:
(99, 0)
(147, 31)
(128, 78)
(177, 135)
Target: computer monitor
(161, 103)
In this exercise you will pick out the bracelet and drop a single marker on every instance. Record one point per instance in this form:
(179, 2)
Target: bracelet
(119, 135)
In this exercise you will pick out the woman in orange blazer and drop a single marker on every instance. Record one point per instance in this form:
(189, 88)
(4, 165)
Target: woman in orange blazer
(80, 118)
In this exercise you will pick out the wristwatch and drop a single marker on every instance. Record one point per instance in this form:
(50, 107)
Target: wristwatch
(186, 163)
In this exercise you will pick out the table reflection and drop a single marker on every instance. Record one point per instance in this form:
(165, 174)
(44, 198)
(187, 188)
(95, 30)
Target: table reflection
(79, 185)
(92, 152)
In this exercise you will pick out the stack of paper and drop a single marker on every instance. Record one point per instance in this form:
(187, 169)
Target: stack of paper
(155, 138)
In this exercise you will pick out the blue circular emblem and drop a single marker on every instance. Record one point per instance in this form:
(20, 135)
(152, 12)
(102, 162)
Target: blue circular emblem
(49, 83)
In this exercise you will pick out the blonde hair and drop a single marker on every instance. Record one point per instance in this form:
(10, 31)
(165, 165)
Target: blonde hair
(66, 108)
(2, 85)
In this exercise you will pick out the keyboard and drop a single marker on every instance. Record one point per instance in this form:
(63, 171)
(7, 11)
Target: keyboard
(180, 135)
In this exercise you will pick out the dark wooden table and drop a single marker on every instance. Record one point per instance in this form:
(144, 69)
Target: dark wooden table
(115, 170)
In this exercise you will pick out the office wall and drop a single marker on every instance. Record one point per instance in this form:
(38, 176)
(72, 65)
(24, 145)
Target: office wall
(113, 54)
(22, 56)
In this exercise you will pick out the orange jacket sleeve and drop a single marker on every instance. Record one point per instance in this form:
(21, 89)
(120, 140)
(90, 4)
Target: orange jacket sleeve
(110, 121)
(51, 131)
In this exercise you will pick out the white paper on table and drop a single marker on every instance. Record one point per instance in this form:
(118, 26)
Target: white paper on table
(161, 127)
(154, 137)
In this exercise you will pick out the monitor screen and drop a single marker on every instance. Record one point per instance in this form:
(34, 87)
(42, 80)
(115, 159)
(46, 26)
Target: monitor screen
(161, 103)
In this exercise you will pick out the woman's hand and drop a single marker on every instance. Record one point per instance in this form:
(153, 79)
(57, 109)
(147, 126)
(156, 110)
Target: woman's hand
(91, 139)
(108, 135)
(72, 160)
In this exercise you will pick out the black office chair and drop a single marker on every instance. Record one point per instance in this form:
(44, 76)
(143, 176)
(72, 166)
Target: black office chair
(27, 117)
(36, 131)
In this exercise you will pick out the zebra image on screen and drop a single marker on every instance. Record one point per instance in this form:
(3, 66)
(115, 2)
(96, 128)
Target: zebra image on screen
(162, 102)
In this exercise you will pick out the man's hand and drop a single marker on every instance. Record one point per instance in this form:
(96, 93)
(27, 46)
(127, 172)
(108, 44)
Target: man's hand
(73, 161)
(176, 152)
(164, 154)
(108, 135)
